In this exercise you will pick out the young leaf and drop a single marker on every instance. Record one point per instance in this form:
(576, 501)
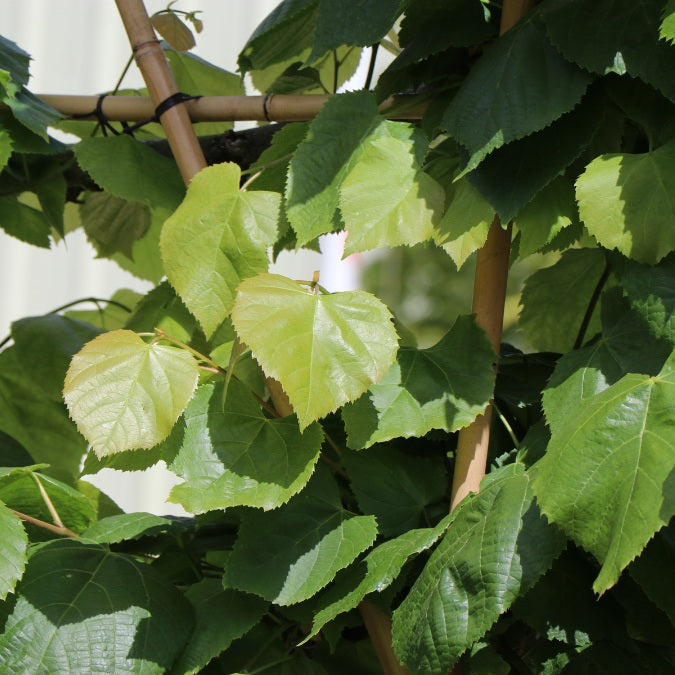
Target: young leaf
(604, 476)
(226, 232)
(12, 552)
(443, 387)
(626, 202)
(324, 349)
(81, 608)
(508, 95)
(385, 200)
(124, 393)
(498, 546)
(288, 555)
(374, 573)
(221, 616)
(233, 455)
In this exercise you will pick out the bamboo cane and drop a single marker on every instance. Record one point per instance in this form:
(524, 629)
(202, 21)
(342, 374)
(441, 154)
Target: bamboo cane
(273, 108)
(489, 294)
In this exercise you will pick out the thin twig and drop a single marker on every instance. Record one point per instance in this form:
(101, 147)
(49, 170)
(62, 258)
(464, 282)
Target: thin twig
(63, 531)
(48, 502)
(591, 307)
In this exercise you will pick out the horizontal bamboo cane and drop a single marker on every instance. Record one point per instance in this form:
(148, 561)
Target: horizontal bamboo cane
(273, 108)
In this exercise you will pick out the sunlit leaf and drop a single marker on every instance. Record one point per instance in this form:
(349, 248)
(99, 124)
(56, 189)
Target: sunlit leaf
(12, 552)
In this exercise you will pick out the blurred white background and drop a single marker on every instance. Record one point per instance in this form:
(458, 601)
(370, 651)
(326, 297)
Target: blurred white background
(80, 47)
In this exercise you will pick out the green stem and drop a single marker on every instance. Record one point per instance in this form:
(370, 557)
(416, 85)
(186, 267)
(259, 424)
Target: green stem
(371, 65)
(48, 502)
(507, 426)
(159, 334)
(125, 70)
(336, 68)
(591, 307)
(63, 531)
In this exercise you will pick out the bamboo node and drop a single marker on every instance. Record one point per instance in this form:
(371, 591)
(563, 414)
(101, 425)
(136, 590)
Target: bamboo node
(267, 100)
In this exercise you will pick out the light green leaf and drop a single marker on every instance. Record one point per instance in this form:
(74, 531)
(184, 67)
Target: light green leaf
(508, 95)
(12, 552)
(288, 555)
(627, 202)
(667, 27)
(124, 393)
(114, 224)
(24, 222)
(5, 148)
(45, 345)
(82, 609)
(604, 476)
(125, 526)
(108, 315)
(443, 387)
(221, 616)
(226, 233)
(555, 298)
(546, 215)
(401, 489)
(126, 168)
(464, 226)
(233, 455)
(385, 200)
(324, 349)
(173, 30)
(374, 573)
(498, 546)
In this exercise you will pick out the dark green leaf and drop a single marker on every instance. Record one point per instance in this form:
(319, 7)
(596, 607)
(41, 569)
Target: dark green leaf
(24, 222)
(426, 389)
(45, 345)
(496, 549)
(234, 455)
(25, 141)
(221, 616)
(12, 453)
(32, 112)
(83, 609)
(12, 552)
(125, 526)
(286, 556)
(14, 60)
(508, 94)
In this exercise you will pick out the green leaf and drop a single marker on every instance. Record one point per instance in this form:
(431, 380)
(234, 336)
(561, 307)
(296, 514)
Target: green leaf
(21, 491)
(622, 439)
(288, 555)
(174, 31)
(234, 455)
(396, 487)
(613, 36)
(25, 141)
(114, 224)
(14, 61)
(555, 299)
(667, 27)
(199, 78)
(124, 393)
(13, 551)
(364, 23)
(323, 159)
(34, 420)
(221, 616)
(324, 349)
(126, 168)
(385, 200)
(508, 95)
(12, 453)
(443, 387)
(24, 222)
(498, 546)
(626, 201)
(546, 215)
(82, 609)
(125, 526)
(464, 226)
(32, 112)
(227, 232)
(374, 573)
(108, 315)
(45, 345)
(5, 148)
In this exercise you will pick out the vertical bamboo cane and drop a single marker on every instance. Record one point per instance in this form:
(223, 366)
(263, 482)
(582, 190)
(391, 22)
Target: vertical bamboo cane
(489, 294)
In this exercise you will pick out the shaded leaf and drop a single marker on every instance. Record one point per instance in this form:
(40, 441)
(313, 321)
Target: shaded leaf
(385, 200)
(24, 222)
(221, 616)
(498, 546)
(125, 526)
(227, 232)
(32, 112)
(173, 30)
(81, 608)
(124, 393)
(108, 315)
(289, 554)
(443, 387)
(14, 60)
(604, 476)
(233, 455)
(626, 201)
(508, 94)
(13, 551)
(324, 349)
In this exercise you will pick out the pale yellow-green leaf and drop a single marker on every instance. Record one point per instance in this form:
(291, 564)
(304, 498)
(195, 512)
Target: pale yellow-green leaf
(124, 393)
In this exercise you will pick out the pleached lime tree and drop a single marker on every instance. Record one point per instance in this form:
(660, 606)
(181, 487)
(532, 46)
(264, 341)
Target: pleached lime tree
(316, 442)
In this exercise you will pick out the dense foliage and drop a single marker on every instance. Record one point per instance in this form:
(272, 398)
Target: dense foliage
(562, 562)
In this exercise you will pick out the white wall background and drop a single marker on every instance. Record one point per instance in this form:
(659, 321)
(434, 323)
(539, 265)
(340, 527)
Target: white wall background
(80, 47)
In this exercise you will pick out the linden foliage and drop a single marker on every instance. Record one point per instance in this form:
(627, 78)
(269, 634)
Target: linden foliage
(562, 562)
